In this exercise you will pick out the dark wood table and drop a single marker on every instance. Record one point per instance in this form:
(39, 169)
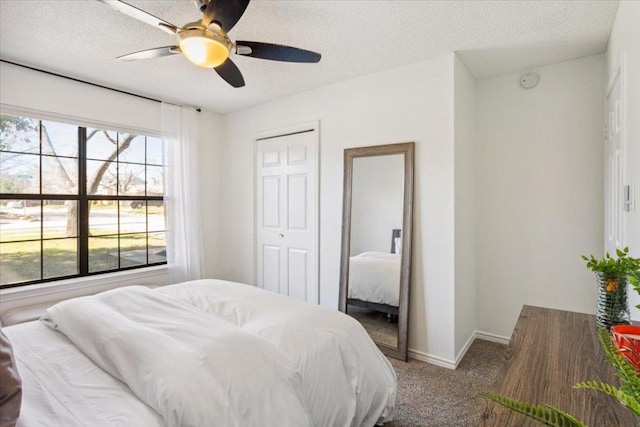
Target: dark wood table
(549, 352)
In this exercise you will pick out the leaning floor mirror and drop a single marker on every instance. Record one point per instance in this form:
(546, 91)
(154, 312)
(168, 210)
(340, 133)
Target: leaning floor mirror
(375, 269)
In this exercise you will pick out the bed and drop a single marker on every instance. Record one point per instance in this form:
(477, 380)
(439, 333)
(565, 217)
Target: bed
(374, 281)
(200, 353)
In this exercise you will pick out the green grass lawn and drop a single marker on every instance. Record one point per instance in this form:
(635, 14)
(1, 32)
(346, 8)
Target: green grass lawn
(21, 261)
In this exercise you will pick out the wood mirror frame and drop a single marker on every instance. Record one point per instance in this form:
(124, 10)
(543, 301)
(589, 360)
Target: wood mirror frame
(408, 149)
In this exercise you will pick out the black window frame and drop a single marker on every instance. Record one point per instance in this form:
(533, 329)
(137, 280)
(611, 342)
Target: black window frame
(83, 199)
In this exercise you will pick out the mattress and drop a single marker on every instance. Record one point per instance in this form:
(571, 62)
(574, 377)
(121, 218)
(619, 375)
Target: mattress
(375, 277)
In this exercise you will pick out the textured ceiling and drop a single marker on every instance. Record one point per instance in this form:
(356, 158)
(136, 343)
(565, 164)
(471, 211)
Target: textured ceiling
(82, 38)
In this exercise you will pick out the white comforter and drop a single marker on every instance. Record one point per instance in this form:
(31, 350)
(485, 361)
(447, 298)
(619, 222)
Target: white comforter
(190, 367)
(346, 380)
(375, 277)
(219, 353)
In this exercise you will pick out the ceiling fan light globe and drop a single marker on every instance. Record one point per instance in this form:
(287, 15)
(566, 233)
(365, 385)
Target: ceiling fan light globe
(204, 48)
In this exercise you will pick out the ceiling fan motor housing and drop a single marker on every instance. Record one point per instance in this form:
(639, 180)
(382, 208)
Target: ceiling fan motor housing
(202, 46)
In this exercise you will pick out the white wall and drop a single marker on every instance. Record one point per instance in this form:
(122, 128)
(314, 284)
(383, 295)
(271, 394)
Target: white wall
(465, 206)
(376, 202)
(409, 103)
(624, 43)
(539, 191)
(83, 104)
(210, 151)
(71, 100)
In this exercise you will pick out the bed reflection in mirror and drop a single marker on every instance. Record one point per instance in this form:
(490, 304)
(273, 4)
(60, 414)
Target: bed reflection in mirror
(374, 262)
(373, 287)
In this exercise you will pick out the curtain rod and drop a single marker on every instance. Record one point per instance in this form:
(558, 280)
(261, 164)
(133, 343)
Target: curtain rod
(79, 81)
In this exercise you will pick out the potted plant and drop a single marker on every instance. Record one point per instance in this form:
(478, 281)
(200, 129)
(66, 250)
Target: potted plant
(614, 274)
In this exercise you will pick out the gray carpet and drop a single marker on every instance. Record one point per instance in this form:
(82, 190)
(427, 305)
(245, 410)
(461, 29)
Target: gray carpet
(376, 324)
(429, 395)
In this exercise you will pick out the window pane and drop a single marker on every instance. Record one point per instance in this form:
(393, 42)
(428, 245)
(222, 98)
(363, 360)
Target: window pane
(60, 257)
(131, 180)
(19, 262)
(101, 177)
(103, 253)
(155, 151)
(59, 139)
(133, 250)
(19, 173)
(103, 217)
(20, 220)
(133, 216)
(155, 181)
(132, 148)
(157, 247)
(60, 219)
(61, 175)
(155, 215)
(19, 134)
(101, 145)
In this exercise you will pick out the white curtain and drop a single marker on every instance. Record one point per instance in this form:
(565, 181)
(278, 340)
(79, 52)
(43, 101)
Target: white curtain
(185, 257)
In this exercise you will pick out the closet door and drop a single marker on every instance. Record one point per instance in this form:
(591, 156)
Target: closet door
(286, 215)
(613, 169)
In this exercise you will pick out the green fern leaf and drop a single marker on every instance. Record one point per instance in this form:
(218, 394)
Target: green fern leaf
(624, 398)
(542, 414)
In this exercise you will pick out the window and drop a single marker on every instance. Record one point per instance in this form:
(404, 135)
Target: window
(77, 201)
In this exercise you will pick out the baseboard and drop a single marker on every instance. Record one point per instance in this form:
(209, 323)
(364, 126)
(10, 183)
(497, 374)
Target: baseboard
(492, 337)
(453, 364)
(434, 360)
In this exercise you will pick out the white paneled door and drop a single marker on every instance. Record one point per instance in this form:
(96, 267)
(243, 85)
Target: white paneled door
(287, 215)
(613, 168)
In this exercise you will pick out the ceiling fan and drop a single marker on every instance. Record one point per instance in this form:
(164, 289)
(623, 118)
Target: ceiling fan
(205, 43)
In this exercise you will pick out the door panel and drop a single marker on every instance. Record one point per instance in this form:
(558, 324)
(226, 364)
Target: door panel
(296, 155)
(297, 273)
(297, 212)
(271, 272)
(271, 201)
(270, 158)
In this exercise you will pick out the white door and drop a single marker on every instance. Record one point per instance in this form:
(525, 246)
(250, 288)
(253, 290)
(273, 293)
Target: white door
(613, 169)
(286, 215)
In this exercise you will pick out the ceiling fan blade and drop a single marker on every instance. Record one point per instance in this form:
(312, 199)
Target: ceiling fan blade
(230, 73)
(141, 15)
(226, 12)
(276, 52)
(156, 52)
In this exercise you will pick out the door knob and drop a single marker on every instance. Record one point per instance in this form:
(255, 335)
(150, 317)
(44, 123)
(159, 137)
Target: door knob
(281, 235)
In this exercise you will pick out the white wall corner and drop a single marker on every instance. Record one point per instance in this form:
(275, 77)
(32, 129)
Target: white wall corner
(464, 206)
(463, 351)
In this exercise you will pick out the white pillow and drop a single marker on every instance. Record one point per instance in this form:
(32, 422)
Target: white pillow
(398, 242)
